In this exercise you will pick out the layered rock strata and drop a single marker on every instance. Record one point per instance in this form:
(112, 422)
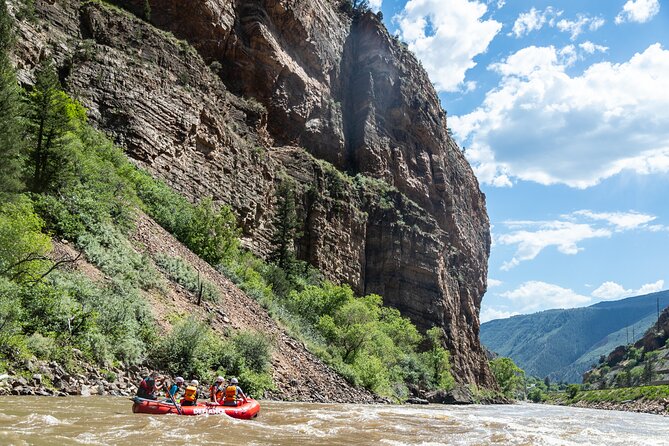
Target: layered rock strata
(255, 88)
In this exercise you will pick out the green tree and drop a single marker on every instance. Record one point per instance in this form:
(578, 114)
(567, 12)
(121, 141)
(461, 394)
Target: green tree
(22, 244)
(509, 376)
(52, 116)
(439, 359)
(211, 234)
(572, 390)
(285, 227)
(648, 373)
(10, 111)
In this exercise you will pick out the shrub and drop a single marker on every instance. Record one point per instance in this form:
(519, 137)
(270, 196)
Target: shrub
(255, 349)
(184, 274)
(22, 244)
(572, 390)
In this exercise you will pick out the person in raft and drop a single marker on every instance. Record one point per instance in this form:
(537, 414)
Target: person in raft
(149, 387)
(233, 394)
(216, 391)
(174, 388)
(191, 394)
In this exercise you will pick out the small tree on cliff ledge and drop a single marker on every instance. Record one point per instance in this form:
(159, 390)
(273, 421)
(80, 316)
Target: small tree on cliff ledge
(285, 228)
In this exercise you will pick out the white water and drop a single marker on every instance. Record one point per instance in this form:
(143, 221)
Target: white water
(109, 421)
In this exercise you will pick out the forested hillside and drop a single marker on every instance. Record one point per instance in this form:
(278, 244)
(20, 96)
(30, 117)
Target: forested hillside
(562, 344)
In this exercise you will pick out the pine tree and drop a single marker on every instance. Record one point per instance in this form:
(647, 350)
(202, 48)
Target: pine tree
(285, 228)
(52, 115)
(10, 112)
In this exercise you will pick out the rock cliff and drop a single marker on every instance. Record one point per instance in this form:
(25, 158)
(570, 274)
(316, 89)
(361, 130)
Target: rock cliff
(223, 97)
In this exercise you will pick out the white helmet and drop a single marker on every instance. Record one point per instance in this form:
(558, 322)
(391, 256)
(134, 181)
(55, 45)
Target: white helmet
(179, 380)
(195, 382)
(234, 381)
(220, 379)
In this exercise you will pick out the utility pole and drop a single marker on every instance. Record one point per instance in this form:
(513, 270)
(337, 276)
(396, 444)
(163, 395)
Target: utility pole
(627, 333)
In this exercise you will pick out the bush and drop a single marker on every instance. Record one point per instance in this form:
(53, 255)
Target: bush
(22, 244)
(184, 274)
(188, 350)
(255, 350)
(572, 390)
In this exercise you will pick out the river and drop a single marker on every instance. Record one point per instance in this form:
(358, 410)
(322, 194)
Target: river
(109, 421)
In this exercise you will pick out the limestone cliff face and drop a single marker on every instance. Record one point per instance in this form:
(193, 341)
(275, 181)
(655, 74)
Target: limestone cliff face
(338, 94)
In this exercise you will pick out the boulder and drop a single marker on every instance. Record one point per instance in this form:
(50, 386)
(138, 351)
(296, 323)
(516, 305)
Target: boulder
(457, 395)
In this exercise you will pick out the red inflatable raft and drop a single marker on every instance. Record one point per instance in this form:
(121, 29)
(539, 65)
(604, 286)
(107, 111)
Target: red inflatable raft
(248, 408)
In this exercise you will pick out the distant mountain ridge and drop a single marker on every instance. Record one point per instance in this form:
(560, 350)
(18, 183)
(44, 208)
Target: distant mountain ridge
(563, 344)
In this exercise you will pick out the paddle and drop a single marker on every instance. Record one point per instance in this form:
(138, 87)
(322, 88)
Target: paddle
(174, 402)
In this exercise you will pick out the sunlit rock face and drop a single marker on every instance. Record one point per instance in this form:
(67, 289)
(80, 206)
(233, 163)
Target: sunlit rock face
(238, 93)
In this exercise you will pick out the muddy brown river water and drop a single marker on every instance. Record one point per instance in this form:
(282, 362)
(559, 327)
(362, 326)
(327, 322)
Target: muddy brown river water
(110, 421)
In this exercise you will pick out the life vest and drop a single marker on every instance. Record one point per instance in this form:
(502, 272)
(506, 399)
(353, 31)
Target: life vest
(216, 392)
(230, 394)
(147, 388)
(190, 394)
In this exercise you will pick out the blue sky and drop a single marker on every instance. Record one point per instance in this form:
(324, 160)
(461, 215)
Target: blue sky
(563, 108)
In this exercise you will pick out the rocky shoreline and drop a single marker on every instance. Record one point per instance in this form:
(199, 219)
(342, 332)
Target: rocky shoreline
(657, 407)
(49, 378)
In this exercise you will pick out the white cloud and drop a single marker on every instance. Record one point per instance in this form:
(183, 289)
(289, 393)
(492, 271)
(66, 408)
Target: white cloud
(576, 27)
(614, 291)
(531, 237)
(542, 125)
(564, 235)
(536, 295)
(494, 283)
(375, 4)
(446, 35)
(533, 20)
(639, 11)
(623, 221)
(489, 314)
(591, 48)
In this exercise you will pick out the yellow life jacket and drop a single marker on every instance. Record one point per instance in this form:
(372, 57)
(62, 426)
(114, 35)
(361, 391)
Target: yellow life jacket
(230, 394)
(190, 394)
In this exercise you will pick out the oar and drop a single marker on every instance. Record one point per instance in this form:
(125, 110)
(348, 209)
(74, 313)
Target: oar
(174, 402)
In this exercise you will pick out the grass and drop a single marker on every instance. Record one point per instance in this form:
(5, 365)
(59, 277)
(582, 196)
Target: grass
(617, 395)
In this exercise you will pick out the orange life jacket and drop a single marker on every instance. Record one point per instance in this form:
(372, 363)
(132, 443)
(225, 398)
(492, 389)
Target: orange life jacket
(190, 394)
(216, 392)
(230, 394)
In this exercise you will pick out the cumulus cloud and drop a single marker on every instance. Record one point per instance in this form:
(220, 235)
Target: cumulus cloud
(494, 282)
(592, 48)
(542, 125)
(534, 237)
(537, 295)
(534, 20)
(614, 291)
(622, 221)
(489, 314)
(582, 22)
(446, 35)
(639, 11)
(375, 4)
(531, 237)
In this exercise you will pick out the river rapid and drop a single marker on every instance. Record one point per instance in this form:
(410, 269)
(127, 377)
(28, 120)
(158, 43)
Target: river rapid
(110, 421)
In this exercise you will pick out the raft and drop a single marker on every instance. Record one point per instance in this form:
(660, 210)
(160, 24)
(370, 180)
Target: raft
(248, 408)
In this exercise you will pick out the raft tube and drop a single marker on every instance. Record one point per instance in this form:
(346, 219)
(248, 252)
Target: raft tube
(248, 408)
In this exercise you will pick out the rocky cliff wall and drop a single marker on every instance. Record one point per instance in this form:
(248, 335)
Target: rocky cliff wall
(259, 87)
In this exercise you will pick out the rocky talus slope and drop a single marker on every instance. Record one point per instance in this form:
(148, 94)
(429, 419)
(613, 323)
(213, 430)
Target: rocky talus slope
(258, 90)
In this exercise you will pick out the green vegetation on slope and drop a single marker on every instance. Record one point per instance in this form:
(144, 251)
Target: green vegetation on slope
(560, 343)
(68, 181)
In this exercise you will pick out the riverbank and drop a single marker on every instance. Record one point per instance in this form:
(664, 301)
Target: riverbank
(644, 399)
